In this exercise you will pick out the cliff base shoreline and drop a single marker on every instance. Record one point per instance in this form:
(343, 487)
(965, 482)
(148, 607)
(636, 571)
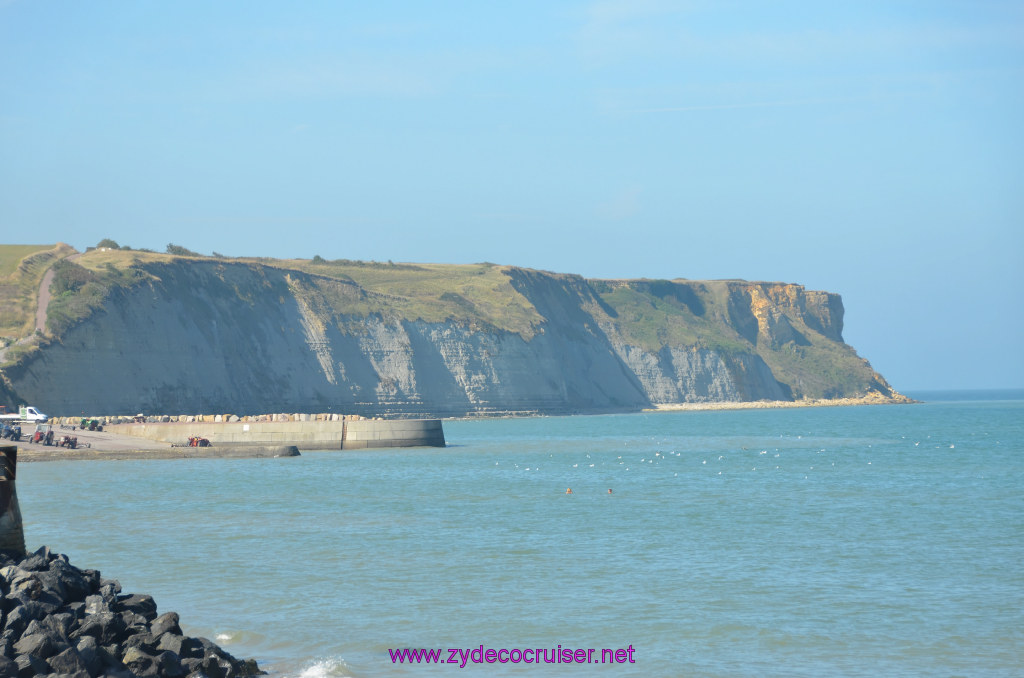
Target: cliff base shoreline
(874, 399)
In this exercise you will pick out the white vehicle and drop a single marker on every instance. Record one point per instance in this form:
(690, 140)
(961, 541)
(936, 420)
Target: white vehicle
(25, 413)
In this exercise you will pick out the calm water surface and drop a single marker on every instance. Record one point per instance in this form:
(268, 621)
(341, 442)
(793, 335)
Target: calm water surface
(835, 541)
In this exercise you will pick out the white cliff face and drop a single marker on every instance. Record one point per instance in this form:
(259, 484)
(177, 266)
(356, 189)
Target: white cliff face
(387, 347)
(315, 335)
(241, 338)
(700, 375)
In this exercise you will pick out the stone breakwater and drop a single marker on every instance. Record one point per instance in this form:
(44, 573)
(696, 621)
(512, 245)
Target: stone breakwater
(59, 619)
(111, 420)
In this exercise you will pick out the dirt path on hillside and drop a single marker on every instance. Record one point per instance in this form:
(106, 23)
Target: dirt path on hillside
(44, 300)
(44, 294)
(42, 304)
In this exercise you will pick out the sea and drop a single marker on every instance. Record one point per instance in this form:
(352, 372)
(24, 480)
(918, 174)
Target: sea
(835, 541)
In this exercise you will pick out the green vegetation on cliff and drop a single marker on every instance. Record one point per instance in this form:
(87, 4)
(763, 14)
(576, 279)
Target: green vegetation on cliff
(76, 291)
(652, 314)
(779, 323)
(22, 268)
(475, 293)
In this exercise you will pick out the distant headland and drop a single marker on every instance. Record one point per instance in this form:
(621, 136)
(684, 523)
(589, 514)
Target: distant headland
(119, 330)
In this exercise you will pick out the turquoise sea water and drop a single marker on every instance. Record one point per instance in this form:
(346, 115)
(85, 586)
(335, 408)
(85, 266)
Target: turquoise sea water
(855, 541)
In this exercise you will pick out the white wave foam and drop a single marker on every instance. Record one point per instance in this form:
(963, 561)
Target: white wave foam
(238, 636)
(332, 667)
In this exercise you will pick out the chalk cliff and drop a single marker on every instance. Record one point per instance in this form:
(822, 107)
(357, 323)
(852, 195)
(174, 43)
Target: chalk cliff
(202, 335)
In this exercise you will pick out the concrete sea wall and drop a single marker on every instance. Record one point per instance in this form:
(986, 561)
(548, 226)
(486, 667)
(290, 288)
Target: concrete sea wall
(305, 435)
(369, 433)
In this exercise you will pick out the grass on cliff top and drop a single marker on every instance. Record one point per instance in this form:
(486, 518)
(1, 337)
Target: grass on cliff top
(21, 271)
(11, 256)
(98, 260)
(428, 292)
(435, 292)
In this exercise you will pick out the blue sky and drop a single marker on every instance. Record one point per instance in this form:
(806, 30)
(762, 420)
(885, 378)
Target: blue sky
(874, 149)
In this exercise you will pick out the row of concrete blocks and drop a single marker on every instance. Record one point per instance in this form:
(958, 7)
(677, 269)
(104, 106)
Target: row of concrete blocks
(313, 435)
(107, 420)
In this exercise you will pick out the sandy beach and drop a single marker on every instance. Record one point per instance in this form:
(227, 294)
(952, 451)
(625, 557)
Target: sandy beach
(779, 404)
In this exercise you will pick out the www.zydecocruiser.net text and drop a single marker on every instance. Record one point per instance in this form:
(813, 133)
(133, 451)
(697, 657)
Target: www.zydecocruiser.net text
(462, 656)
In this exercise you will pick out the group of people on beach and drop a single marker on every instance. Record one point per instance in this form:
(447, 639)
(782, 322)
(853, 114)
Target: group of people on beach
(10, 432)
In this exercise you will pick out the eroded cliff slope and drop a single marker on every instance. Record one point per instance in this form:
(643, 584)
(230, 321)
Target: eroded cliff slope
(185, 335)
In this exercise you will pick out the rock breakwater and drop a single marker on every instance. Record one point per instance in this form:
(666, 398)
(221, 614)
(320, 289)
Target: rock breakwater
(59, 619)
(110, 420)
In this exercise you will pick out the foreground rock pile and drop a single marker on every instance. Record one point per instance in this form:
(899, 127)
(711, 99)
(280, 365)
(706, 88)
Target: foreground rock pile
(58, 619)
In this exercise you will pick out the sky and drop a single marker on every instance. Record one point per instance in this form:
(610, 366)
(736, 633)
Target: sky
(872, 149)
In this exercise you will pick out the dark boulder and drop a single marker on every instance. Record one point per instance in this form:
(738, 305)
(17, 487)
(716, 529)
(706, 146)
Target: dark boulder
(7, 640)
(40, 560)
(169, 665)
(182, 646)
(73, 583)
(193, 665)
(67, 661)
(31, 665)
(139, 663)
(165, 623)
(207, 645)
(41, 645)
(134, 623)
(105, 627)
(25, 585)
(40, 603)
(76, 610)
(60, 622)
(89, 652)
(40, 609)
(45, 627)
(143, 641)
(93, 578)
(96, 603)
(110, 656)
(214, 666)
(139, 604)
(109, 588)
(17, 620)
